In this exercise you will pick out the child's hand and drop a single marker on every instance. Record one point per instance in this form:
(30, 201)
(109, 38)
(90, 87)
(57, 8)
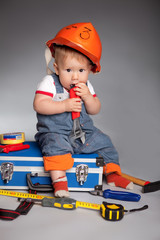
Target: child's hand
(82, 90)
(73, 105)
(92, 104)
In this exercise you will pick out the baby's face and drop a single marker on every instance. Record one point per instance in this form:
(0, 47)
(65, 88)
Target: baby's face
(72, 70)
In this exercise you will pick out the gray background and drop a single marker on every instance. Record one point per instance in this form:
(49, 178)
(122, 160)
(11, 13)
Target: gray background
(128, 87)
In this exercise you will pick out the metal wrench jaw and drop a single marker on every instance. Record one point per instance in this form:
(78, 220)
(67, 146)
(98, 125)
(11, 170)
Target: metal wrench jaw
(77, 131)
(80, 135)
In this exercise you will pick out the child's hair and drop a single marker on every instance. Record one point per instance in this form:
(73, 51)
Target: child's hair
(61, 52)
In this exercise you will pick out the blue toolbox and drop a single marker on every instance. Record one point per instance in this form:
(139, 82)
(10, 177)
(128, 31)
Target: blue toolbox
(24, 169)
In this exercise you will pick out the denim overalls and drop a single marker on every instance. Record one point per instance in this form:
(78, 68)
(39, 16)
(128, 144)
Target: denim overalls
(54, 130)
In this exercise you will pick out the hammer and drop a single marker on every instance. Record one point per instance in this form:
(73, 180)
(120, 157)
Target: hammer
(146, 185)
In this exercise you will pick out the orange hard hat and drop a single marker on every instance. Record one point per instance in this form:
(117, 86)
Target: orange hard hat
(81, 37)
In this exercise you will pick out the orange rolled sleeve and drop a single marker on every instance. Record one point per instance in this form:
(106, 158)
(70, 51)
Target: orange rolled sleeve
(111, 167)
(59, 162)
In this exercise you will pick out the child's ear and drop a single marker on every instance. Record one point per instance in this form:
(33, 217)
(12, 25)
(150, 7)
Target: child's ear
(56, 68)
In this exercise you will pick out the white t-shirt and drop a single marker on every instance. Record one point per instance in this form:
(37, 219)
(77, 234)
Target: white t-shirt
(47, 87)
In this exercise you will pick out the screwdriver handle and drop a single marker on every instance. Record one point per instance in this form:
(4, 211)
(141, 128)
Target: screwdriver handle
(73, 95)
(121, 195)
(62, 203)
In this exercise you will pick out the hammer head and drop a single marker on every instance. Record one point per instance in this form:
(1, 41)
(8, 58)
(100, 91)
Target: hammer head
(151, 187)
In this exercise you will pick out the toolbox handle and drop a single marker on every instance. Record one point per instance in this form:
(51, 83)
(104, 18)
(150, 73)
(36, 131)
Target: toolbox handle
(38, 187)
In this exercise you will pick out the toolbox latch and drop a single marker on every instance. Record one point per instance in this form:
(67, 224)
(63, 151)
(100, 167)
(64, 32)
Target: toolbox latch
(7, 171)
(81, 173)
(100, 162)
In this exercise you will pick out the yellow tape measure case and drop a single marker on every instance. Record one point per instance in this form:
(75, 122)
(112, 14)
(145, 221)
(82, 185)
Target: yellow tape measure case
(23, 169)
(111, 211)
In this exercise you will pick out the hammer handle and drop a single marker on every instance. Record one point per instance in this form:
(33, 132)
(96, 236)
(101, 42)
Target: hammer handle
(135, 180)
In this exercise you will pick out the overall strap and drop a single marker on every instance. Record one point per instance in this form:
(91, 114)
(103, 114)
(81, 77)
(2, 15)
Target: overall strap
(60, 93)
(59, 87)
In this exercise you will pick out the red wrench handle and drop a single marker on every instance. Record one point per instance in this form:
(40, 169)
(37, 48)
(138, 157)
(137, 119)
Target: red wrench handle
(14, 147)
(73, 95)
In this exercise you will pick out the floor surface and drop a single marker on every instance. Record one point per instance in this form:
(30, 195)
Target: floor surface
(50, 223)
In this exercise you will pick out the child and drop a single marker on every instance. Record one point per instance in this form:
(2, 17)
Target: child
(77, 52)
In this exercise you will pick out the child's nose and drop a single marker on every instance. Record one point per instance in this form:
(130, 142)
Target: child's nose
(75, 77)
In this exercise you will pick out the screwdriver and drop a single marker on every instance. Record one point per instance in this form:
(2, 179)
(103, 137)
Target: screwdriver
(119, 195)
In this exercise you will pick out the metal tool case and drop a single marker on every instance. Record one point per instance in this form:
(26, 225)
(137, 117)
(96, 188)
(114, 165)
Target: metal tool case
(23, 169)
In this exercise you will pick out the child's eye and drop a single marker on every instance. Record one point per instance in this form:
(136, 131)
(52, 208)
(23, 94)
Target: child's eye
(81, 70)
(68, 70)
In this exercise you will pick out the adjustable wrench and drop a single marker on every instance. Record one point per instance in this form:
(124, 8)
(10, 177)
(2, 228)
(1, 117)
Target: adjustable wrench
(76, 130)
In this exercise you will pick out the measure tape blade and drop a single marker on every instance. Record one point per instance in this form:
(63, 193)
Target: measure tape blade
(22, 195)
(88, 205)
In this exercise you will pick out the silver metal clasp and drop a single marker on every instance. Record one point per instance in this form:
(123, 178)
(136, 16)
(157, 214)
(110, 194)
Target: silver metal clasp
(81, 173)
(7, 171)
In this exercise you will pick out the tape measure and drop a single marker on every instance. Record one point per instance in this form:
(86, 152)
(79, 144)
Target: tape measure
(12, 138)
(112, 212)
